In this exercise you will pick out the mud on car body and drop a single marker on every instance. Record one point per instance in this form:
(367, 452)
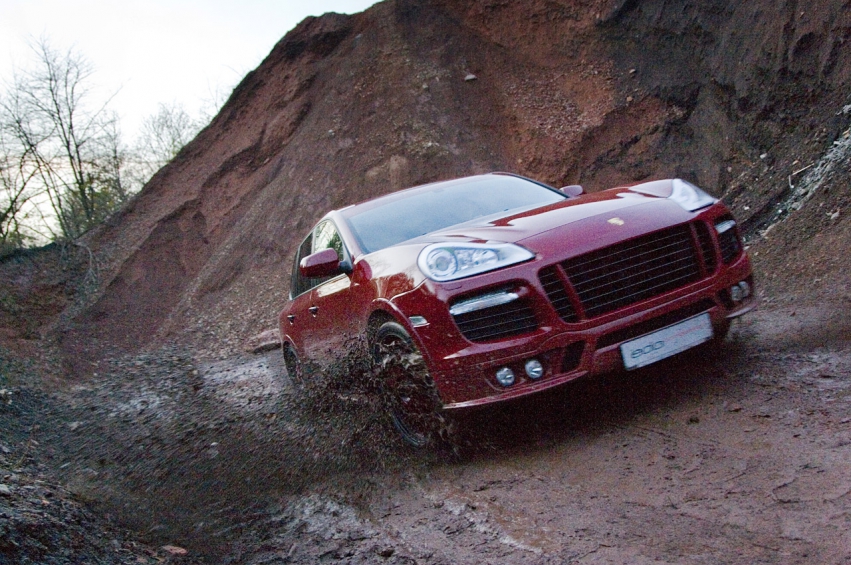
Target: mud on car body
(495, 287)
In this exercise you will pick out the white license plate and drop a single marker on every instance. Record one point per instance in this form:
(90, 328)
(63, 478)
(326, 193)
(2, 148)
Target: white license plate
(666, 342)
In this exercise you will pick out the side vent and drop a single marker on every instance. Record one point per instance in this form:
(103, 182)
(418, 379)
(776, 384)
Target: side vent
(728, 238)
(494, 315)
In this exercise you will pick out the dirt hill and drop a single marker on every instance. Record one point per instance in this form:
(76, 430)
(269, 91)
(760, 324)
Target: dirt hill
(734, 96)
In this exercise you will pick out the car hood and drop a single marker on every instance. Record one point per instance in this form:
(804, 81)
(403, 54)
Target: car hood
(583, 223)
(555, 232)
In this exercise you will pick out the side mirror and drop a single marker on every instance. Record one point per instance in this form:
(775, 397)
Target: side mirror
(321, 264)
(572, 190)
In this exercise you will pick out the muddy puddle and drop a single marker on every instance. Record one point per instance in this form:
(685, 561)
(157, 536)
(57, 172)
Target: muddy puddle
(737, 457)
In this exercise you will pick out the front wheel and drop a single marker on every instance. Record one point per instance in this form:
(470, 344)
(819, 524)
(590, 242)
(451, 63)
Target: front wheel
(722, 331)
(408, 390)
(719, 335)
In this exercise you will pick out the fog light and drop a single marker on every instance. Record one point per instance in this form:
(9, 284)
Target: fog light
(505, 376)
(736, 293)
(746, 289)
(534, 369)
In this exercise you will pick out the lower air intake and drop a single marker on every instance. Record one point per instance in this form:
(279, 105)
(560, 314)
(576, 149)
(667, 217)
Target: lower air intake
(497, 322)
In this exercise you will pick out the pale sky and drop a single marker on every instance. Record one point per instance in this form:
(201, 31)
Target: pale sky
(153, 51)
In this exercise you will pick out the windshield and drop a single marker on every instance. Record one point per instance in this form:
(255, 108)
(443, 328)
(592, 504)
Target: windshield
(445, 205)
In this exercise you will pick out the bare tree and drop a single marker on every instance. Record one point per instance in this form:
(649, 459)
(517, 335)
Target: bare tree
(161, 138)
(16, 190)
(73, 148)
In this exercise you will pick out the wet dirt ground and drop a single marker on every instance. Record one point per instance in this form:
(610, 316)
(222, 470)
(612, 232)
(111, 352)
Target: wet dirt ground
(742, 456)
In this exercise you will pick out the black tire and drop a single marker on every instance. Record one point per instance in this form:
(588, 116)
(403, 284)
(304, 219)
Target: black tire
(408, 391)
(295, 371)
(714, 348)
(720, 335)
(722, 331)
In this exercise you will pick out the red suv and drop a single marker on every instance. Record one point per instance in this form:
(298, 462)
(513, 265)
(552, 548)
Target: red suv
(494, 287)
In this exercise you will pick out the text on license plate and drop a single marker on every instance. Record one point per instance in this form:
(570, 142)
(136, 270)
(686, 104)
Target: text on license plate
(666, 342)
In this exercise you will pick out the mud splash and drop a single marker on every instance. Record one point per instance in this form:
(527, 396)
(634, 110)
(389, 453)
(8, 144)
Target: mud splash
(188, 451)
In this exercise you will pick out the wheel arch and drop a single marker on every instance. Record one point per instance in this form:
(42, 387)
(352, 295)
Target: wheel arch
(377, 319)
(287, 341)
(385, 311)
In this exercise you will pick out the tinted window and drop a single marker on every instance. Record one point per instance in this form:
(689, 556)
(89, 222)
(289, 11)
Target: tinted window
(444, 206)
(324, 236)
(299, 284)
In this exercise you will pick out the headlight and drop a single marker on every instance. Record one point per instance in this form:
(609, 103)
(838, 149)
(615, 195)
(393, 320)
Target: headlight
(689, 196)
(449, 261)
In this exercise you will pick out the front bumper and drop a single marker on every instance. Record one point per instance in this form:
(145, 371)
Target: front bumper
(464, 372)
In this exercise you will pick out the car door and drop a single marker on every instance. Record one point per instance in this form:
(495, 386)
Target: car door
(298, 315)
(331, 322)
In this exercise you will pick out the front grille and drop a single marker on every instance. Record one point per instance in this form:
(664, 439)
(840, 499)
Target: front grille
(707, 246)
(505, 320)
(634, 270)
(554, 288)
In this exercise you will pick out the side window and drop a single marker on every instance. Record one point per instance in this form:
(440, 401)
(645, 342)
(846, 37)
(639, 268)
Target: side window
(299, 284)
(324, 236)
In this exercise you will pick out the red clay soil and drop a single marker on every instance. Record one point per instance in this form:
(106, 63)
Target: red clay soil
(734, 96)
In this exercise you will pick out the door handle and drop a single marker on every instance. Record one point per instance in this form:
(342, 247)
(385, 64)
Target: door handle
(313, 310)
(291, 318)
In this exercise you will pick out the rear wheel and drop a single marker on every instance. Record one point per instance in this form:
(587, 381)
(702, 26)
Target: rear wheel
(408, 390)
(295, 371)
